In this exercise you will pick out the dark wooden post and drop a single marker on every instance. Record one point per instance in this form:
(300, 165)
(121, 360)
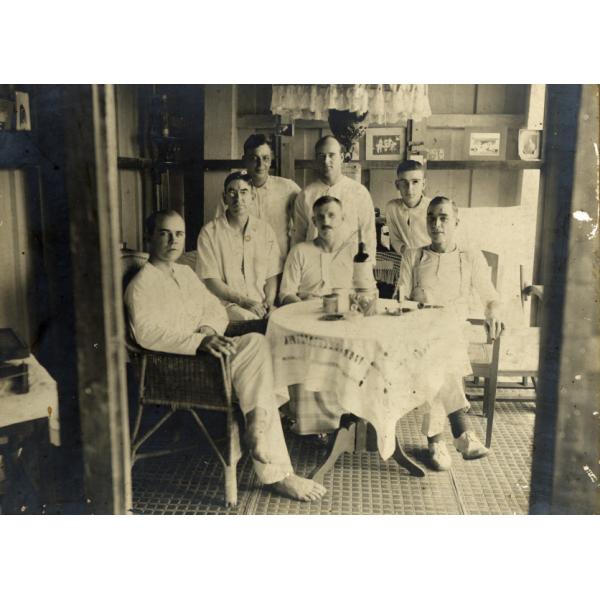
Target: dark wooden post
(91, 154)
(566, 471)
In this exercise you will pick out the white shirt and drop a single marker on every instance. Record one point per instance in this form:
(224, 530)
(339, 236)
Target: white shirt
(408, 226)
(448, 278)
(165, 312)
(357, 205)
(309, 269)
(244, 260)
(273, 202)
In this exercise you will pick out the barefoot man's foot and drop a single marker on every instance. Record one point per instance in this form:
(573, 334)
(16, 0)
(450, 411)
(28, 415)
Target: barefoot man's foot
(299, 488)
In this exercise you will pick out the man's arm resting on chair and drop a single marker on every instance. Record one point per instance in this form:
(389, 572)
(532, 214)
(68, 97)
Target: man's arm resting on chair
(493, 319)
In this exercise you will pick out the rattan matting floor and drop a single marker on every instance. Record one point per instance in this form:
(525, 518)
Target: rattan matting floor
(360, 483)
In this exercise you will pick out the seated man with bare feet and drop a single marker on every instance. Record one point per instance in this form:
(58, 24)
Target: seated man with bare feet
(170, 310)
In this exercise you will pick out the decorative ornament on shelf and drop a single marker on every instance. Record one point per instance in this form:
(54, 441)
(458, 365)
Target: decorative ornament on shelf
(348, 127)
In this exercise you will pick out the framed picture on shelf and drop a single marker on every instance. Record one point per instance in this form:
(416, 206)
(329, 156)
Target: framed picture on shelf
(530, 145)
(385, 143)
(485, 144)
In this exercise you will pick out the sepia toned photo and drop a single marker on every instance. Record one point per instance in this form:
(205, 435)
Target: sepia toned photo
(216, 300)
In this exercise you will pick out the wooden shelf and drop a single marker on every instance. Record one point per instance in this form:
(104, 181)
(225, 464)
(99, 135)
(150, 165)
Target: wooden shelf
(515, 165)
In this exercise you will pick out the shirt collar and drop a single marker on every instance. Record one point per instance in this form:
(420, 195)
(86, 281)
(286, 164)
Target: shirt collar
(265, 185)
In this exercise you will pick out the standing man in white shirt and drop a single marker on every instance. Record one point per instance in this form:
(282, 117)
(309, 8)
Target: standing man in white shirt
(239, 258)
(354, 197)
(170, 310)
(406, 216)
(273, 196)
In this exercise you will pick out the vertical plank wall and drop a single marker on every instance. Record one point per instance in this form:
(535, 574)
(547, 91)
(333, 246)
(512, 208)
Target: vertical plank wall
(15, 257)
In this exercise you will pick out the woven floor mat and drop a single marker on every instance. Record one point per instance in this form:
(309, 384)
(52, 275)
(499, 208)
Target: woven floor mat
(360, 483)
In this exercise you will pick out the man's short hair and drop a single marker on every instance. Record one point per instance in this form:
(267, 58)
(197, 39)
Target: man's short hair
(323, 200)
(322, 141)
(150, 223)
(440, 200)
(255, 140)
(243, 175)
(410, 165)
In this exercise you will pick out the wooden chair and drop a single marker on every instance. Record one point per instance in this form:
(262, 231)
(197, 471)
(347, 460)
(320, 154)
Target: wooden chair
(183, 383)
(513, 354)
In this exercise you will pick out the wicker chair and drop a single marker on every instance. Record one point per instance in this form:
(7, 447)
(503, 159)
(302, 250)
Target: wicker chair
(188, 383)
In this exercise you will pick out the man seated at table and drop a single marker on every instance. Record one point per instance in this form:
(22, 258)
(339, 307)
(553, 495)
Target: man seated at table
(313, 269)
(170, 310)
(239, 257)
(442, 273)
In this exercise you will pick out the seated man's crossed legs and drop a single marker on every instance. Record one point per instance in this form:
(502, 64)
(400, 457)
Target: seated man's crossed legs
(251, 369)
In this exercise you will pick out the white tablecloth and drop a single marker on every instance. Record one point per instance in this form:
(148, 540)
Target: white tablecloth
(41, 400)
(379, 367)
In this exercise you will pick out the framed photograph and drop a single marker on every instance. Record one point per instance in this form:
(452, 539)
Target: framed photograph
(386, 143)
(485, 144)
(530, 144)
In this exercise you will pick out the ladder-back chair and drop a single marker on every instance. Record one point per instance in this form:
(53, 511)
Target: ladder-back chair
(515, 353)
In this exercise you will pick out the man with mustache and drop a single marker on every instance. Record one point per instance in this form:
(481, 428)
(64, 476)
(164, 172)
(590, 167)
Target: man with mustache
(239, 258)
(443, 273)
(313, 269)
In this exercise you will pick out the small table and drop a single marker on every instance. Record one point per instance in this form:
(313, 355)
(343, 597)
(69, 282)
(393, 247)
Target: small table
(40, 402)
(379, 368)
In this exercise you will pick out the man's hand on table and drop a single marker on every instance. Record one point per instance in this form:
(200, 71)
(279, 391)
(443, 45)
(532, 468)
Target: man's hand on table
(217, 345)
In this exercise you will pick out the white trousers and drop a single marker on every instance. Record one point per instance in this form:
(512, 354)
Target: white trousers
(252, 374)
(449, 399)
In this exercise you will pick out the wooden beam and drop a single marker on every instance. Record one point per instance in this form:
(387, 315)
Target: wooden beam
(565, 470)
(513, 165)
(455, 121)
(222, 164)
(93, 199)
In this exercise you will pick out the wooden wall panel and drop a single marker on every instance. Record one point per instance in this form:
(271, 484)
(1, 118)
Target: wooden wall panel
(220, 130)
(492, 187)
(452, 99)
(130, 182)
(453, 184)
(15, 257)
(213, 190)
(382, 187)
(501, 99)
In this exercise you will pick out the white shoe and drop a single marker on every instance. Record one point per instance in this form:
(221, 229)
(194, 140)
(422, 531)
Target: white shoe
(439, 456)
(469, 446)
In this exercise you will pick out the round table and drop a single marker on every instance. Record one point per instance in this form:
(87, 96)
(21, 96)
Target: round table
(380, 367)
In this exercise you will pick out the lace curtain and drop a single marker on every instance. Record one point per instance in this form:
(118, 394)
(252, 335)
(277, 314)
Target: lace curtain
(387, 104)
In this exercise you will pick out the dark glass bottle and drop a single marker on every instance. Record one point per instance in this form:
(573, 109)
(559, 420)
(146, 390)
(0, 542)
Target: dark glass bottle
(361, 256)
